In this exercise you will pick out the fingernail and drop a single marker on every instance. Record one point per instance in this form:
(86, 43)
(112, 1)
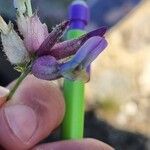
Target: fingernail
(3, 94)
(22, 121)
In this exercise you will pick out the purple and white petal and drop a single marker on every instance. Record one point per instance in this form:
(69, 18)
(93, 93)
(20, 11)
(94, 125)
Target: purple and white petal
(33, 31)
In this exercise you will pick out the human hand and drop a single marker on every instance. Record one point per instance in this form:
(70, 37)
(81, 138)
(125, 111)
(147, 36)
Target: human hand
(35, 110)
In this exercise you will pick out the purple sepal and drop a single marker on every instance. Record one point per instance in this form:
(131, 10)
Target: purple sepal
(46, 68)
(53, 37)
(65, 49)
(99, 32)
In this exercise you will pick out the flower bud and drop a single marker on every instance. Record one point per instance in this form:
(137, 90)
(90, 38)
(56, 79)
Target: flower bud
(20, 6)
(33, 31)
(12, 44)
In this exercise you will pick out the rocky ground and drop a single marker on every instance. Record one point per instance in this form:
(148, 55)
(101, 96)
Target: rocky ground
(121, 75)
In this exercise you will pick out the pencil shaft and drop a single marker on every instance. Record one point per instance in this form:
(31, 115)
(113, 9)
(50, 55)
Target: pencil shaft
(73, 124)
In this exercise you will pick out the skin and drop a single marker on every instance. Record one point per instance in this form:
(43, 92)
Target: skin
(36, 109)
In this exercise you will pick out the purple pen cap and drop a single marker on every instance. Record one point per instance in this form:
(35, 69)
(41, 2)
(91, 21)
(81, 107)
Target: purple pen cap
(78, 14)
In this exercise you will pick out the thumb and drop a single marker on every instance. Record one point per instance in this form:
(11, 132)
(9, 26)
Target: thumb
(3, 95)
(34, 111)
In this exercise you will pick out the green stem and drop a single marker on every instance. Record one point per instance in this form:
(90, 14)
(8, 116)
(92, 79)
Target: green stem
(18, 82)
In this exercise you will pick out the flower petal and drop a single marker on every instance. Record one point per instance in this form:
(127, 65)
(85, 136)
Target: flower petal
(81, 54)
(76, 67)
(33, 31)
(53, 37)
(93, 54)
(65, 49)
(68, 48)
(98, 32)
(46, 68)
(13, 44)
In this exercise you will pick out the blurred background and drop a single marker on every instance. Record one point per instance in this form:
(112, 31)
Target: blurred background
(118, 95)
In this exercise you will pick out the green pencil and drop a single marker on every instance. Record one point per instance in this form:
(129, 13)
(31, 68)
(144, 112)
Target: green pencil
(73, 124)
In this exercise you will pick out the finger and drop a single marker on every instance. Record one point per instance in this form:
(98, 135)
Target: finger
(1, 148)
(34, 111)
(3, 95)
(86, 144)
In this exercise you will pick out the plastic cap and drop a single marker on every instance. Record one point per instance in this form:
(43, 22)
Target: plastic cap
(79, 14)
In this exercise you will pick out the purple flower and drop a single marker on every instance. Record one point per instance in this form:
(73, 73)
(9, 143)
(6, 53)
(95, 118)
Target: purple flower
(42, 51)
(49, 67)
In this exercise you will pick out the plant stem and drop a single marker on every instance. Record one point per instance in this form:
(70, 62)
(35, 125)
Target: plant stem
(18, 82)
